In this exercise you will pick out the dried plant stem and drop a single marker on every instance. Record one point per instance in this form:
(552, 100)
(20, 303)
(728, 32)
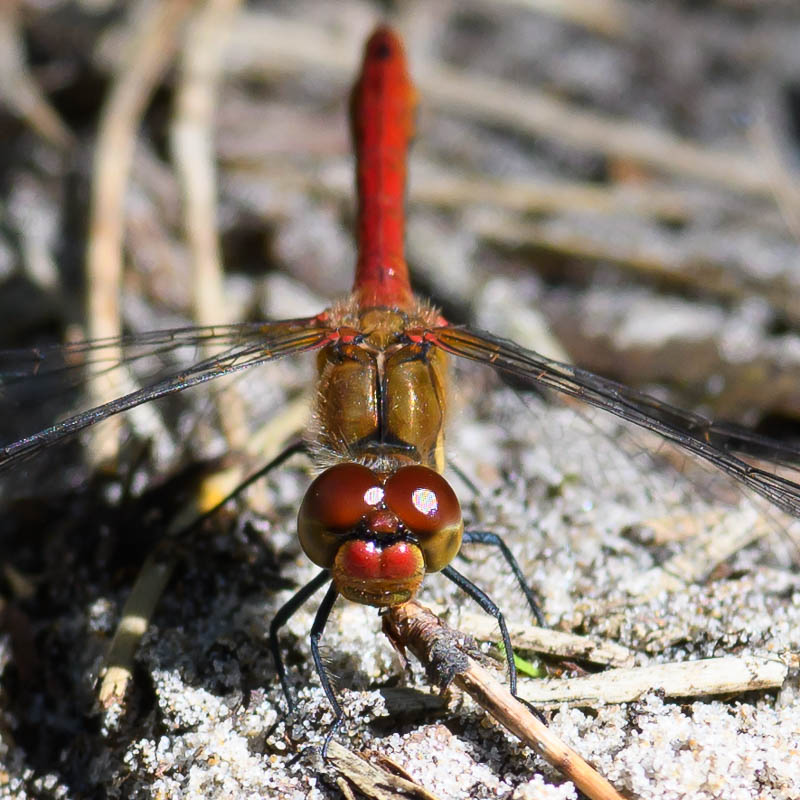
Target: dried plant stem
(546, 641)
(117, 670)
(137, 76)
(698, 558)
(266, 44)
(193, 152)
(607, 17)
(192, 144)
(704, 678)
(371, 780)
(448, 189)
(778, 165)
(412, 626)
(19, 90)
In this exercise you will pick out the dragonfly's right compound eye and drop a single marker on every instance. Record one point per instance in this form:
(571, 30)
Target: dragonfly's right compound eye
(429, 509)
(334, 504)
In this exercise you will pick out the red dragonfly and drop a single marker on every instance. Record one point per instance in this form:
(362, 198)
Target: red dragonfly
(380, 515)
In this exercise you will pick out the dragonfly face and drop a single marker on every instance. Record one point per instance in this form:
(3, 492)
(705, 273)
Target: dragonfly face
(379, 533)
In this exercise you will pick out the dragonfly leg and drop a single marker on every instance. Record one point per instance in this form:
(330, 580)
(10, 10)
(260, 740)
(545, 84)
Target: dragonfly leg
(285, 612)
(490, 607)
(486, 537)
(468, 482)
(320, 620)
(284, 455)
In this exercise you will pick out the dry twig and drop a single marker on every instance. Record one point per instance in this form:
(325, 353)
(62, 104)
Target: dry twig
(547, 641)
(138, 74)
(607, 17)
(18, 88)
(699, 558)
(703, 678)
(371, 780)
(193, 152)
(266, 43)
(412, 626)
(448, 189)
(779, 168)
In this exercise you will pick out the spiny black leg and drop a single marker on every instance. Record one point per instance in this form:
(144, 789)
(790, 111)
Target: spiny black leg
(323, 612)
(489, 606)
(284, 455)
(285, 612)
(487, 537)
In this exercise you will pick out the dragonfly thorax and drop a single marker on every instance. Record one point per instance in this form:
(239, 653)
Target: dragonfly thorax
(380, 533)
(380, 393)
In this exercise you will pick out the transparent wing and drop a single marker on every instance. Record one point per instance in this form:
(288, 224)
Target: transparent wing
(715, 443)
(19, 365)
(240, 347)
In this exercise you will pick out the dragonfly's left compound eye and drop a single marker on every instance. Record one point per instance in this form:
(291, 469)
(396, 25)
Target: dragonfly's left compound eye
(334, 504)
(429, 509)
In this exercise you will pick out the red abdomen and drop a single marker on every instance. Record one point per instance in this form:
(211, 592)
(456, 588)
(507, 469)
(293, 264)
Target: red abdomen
(382, 109)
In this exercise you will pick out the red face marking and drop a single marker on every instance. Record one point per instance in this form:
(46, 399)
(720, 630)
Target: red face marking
(362, 560)
(382, 522)
(400, 560)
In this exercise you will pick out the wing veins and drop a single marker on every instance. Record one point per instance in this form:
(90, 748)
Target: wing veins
(265, 350)
(687, 429)
(34, 362)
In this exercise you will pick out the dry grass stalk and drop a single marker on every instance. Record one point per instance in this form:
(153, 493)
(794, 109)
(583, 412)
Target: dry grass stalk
(192, 143)
(373, 781)
(137, 76)
(19, 90)
(412, 626)
(606, 17)
(704, 678)
(267, 44)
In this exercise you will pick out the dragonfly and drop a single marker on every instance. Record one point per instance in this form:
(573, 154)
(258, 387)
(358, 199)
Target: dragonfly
(380, 515)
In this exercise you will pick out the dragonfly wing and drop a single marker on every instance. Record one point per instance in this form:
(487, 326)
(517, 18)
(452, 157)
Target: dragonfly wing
(99, 355)
(242, 346)
(690, 431)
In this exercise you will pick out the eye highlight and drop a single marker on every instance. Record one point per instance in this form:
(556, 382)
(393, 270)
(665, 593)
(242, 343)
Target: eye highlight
(342, 495)
(425, 501)
(374, 496)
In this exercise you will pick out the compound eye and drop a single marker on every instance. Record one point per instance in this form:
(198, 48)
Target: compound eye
(341, 496)
(429, 509)
(422, 499)
(336, 502)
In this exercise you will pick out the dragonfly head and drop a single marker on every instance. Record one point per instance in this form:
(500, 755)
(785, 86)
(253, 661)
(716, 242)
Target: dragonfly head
(379, 534)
